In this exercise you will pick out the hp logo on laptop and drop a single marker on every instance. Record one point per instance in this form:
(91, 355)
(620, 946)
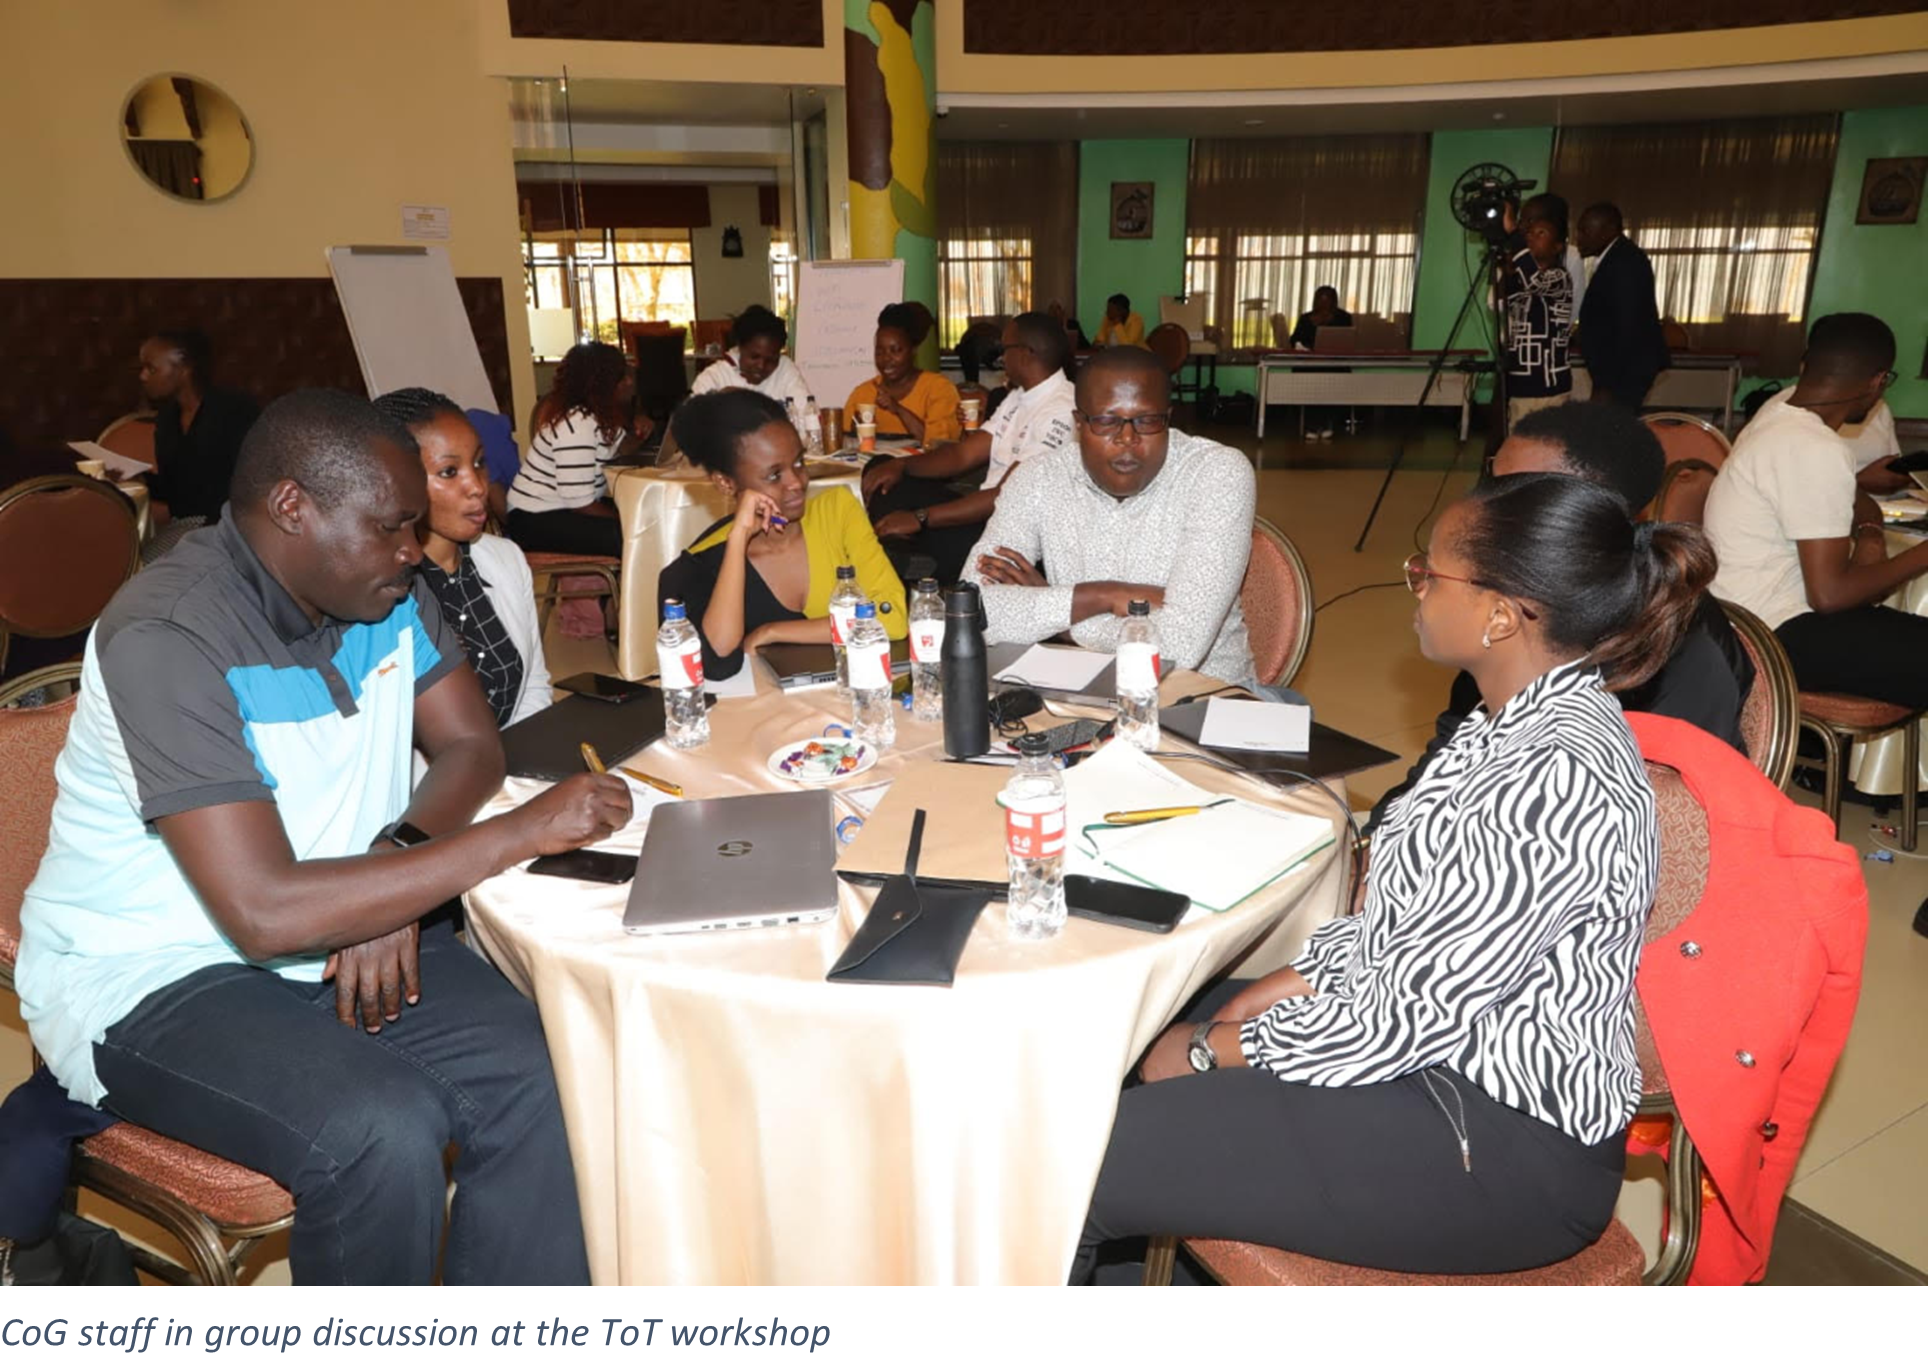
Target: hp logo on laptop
(730, 849)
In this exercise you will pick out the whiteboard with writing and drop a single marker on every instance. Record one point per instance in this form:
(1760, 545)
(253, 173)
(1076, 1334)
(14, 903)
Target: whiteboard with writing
(837, 307)
(409, 323)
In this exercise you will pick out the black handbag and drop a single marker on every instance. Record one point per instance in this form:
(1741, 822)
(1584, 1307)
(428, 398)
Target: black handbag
(78, 1253)
(913, 934)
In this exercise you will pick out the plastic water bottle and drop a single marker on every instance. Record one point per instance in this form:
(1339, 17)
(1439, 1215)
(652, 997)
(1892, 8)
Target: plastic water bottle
(871, 716)
(679, 659)
(843, 611)
(1034, 834)
(812, 427)
(1138, 678)
(927, 652)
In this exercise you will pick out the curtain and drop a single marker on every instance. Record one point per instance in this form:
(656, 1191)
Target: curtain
(1007, 229)
(1269, 220)
(173, 164)
(1730, 212)
(550, 206)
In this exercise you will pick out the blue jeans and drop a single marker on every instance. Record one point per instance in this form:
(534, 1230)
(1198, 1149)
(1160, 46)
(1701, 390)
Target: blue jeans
(255, 1068)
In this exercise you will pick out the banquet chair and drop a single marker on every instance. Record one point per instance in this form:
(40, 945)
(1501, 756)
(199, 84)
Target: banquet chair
(217, 1210)
(131, 435)
(596, 577)
(661, 379)
(1837, 721)
(1276, 597)
(1695, 450)
(67, 543)
(1771, 712)
(1616, 1258)
(711, 332)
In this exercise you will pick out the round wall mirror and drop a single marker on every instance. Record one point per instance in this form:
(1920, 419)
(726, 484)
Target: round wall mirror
(187, 138)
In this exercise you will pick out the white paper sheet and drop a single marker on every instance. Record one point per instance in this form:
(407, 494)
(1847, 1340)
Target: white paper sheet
(1247, 724)
(1055, 667)
(1118, 778)
(742, 684)
(1218, 857)
(119, 466)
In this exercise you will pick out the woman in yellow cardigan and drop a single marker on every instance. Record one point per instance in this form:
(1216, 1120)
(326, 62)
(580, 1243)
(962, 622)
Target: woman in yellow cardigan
(765, 574)
(911, 402)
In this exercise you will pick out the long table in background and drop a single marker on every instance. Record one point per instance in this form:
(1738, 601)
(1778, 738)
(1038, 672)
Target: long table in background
(736, 1119)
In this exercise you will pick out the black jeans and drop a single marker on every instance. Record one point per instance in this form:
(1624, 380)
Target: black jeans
(250, 1066)
(1367, 1175)
(1875, 652)
(566, 531)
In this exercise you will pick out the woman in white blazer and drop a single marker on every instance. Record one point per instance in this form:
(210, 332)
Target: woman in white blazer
(481, 581)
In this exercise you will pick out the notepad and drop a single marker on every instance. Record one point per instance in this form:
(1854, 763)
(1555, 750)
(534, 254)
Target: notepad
(1218, 857)
(1065, 668)
(119, 466)
(1245, 724)
(1118, 778)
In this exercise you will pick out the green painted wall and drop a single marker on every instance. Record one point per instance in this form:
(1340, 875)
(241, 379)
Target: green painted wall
(1880, 269)
(1447, 252)
(1143, 269)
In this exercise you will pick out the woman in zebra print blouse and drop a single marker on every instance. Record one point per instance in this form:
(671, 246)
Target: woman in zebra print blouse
(1442, 1084)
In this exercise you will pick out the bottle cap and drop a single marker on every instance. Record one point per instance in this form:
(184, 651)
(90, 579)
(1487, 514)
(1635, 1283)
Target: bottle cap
(866, 610)
(1033, 743)
(848, 572)
(927, 586)
(673, 610)
(1138, 608)
(962, 600)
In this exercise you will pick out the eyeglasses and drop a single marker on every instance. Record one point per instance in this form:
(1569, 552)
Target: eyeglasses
(1112, 425)
(1890, 378)
(1419, 574)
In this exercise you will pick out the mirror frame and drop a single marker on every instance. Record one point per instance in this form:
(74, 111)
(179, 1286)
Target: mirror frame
(120, 129)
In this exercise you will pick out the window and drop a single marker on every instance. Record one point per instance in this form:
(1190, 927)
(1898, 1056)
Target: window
(977, 277)
(1709, 273)
(625, 275)
(783, 281)
(1269, 273)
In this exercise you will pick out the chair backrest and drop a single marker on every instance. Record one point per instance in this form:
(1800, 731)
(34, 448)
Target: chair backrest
(1188, 314)
(1281, 331)
(1685, 437)
(1171, 344)
(66, 544)
(661, 380)
(130, 435)
(1674, 333)
(1276, 598)
(1771, 712)
(711, 332)
(1683, 879)
(30, 739)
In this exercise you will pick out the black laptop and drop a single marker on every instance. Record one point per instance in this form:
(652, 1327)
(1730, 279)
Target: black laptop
(548, 744)
(1332, 753)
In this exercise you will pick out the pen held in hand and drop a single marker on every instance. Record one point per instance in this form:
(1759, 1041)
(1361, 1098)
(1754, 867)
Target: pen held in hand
(593, 760)
(661, 785)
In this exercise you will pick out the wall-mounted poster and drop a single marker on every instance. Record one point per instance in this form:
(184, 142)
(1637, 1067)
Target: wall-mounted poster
(1131, 209)
(1890, 191)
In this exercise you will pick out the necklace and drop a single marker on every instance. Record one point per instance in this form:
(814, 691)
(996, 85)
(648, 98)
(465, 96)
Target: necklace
(1459, 1126)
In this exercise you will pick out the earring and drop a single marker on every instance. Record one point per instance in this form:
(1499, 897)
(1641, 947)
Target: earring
(1486, 640)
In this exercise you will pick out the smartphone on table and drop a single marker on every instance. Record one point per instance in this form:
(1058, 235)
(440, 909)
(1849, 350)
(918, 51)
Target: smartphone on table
(594, 866)
(608, 688)
(1123, 904)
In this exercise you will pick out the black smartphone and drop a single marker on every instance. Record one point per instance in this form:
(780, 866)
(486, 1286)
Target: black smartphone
(1914, 463)
(595, 866)
(1123, 904)
(606, 687)
(1077, 732)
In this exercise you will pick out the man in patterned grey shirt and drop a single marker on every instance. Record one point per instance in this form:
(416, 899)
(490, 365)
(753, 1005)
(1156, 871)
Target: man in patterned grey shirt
(1135, 511)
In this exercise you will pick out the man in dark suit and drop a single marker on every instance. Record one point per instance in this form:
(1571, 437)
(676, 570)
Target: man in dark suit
(1619, 320)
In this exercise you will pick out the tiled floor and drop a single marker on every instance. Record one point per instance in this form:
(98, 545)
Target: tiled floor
(1864, 1164)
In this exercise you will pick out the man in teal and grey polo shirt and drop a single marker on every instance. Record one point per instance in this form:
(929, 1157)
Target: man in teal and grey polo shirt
(221, 942)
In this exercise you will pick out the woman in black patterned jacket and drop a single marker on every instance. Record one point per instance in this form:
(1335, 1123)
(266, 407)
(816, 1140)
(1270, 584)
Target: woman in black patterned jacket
(1442, 1084)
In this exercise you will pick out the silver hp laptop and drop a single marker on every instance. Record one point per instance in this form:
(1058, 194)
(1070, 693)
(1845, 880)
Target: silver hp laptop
(1101, 692)
(768, 859)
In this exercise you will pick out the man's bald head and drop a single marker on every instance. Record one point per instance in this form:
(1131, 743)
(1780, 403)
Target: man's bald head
(1134, 365)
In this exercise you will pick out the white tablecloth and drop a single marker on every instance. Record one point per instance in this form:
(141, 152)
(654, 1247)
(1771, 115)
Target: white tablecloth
(1875, 766)
(736, 1119)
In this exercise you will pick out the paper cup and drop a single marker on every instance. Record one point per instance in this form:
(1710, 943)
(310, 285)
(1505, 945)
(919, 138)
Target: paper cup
(969, 409)
(866, 415)
(866, 436)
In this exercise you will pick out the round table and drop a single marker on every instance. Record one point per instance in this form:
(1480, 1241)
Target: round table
(736, 1119)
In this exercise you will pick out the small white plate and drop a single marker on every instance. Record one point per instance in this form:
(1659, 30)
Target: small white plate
(783, 763)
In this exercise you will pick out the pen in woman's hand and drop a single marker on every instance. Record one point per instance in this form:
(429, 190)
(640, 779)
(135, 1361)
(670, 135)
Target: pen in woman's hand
(593, 760)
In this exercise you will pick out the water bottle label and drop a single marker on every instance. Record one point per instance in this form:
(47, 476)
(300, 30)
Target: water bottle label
(1037, 834)
(870, 666)
(927, 641)
(683, 668)
(841, 616)
(1137, 667)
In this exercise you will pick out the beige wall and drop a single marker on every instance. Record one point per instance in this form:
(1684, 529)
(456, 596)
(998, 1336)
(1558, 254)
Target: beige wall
(725, 284)
(357, 107)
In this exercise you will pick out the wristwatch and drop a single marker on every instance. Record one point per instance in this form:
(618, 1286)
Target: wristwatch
(1204, 1059)
(403, 834)
(923, 516)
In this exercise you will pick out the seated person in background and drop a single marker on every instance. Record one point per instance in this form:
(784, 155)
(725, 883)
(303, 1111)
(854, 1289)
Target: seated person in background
(481, 582)
(1706, 679)
(198, 427)
(756, 361)
(1133, 511)
(916, 511)
(1324, 313)
(237, 864)
(911, 402)
(1801, 547)
(1618, 317)
(1122, 327)
(767, 572)
(1539, 310)
(560, 499)
(1442, 1084)
(1073, 329)
(1873, 442)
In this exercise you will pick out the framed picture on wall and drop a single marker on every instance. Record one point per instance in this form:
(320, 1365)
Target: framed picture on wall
(1891, 190)
(1131, 209)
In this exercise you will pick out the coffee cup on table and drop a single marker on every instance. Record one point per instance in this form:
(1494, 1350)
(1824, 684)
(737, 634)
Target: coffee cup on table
(968, 410)
(866, 437)
(92, 469)
(866, 415)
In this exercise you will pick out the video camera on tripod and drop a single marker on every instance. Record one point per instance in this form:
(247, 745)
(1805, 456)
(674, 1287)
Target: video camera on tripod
(1480, 197)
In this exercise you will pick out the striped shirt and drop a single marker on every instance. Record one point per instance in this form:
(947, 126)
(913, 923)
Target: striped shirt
(564, 467)
(1502, 924)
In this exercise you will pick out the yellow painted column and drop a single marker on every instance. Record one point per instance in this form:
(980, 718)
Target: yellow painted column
(890, 86)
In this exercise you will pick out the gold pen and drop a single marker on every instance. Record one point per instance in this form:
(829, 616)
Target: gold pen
(593, 760)
(1139, 816)
(664, 785)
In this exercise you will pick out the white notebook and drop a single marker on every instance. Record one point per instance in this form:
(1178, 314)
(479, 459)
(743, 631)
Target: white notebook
(1218, 857)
